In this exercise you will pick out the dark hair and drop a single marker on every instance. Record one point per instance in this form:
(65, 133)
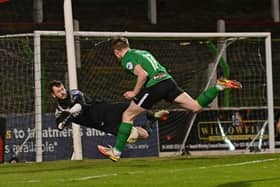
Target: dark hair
(55, 83)
(120, 43)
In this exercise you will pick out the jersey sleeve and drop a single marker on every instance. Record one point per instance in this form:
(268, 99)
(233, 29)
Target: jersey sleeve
(129, 64)
(79, 97)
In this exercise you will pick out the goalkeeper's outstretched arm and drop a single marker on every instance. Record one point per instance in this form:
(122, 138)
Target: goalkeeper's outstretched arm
(69, 104)
(63, 119)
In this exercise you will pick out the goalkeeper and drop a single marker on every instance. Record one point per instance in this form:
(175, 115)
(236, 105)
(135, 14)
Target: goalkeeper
(153, 84)
(75, 106)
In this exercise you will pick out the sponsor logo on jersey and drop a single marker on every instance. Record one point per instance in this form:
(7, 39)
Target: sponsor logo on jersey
(129, 66)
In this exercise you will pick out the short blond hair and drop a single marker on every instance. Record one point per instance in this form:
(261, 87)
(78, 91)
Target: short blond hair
(120, 43)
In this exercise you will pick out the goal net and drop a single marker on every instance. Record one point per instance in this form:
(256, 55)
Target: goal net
(195, 60)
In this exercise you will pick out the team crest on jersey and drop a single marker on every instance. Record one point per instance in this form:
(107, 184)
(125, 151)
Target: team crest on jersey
(129, 66)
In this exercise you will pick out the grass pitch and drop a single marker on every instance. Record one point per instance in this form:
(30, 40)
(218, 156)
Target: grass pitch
(259, 170)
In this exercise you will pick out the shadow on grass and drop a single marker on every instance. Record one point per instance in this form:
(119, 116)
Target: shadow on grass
(247, 183)
(42, 169)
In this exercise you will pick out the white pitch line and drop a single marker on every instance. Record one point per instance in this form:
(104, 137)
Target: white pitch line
(33, 181)
(175, 170)
(83, 178)
(94, 177)
(239, 164)
(223, 165)
(102, 176)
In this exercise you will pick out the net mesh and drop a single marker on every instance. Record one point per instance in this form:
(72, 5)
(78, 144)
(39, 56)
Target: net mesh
(17, 94)
(189, 60)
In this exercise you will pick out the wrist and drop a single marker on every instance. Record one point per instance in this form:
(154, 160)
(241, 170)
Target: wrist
(76, 108)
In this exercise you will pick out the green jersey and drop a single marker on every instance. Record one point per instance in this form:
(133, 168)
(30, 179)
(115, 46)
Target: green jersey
(156, 72)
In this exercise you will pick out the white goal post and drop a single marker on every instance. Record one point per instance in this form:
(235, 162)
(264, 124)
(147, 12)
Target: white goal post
(72, 73)
(196, 36)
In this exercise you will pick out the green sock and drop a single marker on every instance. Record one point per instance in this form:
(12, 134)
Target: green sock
(206, 97)
(123, 134)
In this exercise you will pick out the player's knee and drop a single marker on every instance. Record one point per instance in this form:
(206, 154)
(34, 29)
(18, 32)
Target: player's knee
(196, 108)
(129, 115)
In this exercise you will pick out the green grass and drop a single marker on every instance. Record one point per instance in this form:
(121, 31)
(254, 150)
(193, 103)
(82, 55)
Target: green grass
(260, 170)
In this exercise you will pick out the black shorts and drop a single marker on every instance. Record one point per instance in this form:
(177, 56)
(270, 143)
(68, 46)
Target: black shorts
(106, 117)
(167, 90)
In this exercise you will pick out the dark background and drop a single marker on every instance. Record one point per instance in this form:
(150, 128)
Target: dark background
(16, 16)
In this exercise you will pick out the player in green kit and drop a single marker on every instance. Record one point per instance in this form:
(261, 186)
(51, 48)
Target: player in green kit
(153, 84)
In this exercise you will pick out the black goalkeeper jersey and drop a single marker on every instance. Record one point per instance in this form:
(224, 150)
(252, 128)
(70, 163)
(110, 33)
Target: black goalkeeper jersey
(95, 113)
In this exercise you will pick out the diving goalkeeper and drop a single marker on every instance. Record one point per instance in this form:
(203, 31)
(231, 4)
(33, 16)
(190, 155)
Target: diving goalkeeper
(75, 106)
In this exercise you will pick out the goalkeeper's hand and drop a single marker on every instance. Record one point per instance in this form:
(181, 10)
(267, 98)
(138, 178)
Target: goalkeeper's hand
(63, 120)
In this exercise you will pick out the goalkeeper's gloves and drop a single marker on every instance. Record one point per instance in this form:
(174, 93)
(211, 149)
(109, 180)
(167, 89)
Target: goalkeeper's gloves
(63, 120)
(76, 110)
(66, 116)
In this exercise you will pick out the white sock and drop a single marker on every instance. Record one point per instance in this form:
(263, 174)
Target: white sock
(116, 152)
(220, 87)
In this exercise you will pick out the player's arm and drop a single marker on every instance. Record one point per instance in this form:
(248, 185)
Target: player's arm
(142, 77)
(80, 101)
(63, 118)
(75, 110)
